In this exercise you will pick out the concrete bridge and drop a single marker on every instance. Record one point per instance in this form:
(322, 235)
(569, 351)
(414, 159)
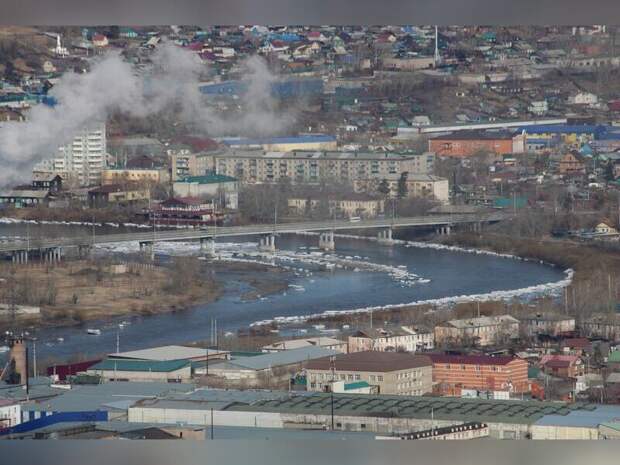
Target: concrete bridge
(51, 250)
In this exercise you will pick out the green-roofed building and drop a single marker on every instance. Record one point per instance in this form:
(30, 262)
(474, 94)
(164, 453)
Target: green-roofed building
(142, 370)
(614, 357)
(224, 189)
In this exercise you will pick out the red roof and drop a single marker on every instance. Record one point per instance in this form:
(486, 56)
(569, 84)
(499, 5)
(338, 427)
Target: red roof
(558, 364)
(99, 37)
(198, 144)
(471, 359)
(577, 342)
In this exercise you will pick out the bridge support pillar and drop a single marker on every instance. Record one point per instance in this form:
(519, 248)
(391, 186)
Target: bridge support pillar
(207, 246)
(326, 241)
(147, 249)
(267, 243)
(384, 236)
(84, 251)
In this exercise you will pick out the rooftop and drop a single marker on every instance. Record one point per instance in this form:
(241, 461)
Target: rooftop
(140, 365)
(320, 341)
(372, 361)
(313, 138)
(208, 179)
(481, 321)
(167, 353)
(271, 360)
(471, 359)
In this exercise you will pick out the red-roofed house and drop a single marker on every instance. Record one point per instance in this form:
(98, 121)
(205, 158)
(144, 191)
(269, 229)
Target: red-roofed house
(576, 346)
(480, 372)
(99, 40)
(563, 366)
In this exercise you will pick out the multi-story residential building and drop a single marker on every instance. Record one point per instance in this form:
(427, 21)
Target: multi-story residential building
(481, 372)
(405, 338)
(418, 185)
(358, 205)
(134, 175)
(390, 372)
(548, 324)
(256, 166)
(482, 331)
(184, 163)
(84, 158)
(601, 325)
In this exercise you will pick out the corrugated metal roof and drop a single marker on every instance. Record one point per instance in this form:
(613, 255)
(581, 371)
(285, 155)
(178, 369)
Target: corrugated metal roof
(271, 360)
(140, 365)
(583, 418)
(166, 353)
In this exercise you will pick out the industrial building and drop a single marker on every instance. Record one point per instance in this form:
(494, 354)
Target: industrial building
(320, 341)
(284, 144)
(390, 372)
(266, 368)
(171, 371)
(167, 353)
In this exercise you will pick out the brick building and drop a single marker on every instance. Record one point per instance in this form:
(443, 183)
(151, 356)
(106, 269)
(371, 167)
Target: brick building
(481, 372)
(467, 143)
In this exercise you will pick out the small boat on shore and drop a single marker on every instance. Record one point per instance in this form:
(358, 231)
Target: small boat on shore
(94, 332)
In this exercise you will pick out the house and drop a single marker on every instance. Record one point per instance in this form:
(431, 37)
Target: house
(407, 338)
(604, 229)
(397, 373)
(117, 194)
(24, 198)
(321, 341)
(546, 324)
(583, 98)
(99, 40)
(579, 346)
(168, 371)
(572, 163)
(482, 331)
(225, 189)
(562, 366)
(467, 143)
(47, 182)
(480, 372)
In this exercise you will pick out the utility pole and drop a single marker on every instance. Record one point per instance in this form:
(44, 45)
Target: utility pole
(212, 424)
(34, 357)
(333, 370)
(118, 341)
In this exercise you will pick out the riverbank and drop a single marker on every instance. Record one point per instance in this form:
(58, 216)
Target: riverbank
(75, 292)
(594, 284)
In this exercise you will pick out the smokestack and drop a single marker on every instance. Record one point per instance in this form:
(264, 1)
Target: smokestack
(19, 358)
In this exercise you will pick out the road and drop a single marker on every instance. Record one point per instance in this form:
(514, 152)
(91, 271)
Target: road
(263, 229)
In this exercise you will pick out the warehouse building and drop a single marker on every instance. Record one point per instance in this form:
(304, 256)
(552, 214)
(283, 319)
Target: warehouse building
(506, 419)
(170, 371)
(167, 353)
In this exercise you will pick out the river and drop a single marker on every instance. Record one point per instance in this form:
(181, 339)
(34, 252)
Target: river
(437, 274)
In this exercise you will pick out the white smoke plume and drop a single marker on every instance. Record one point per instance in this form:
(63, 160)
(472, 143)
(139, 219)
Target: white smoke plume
(113, 85)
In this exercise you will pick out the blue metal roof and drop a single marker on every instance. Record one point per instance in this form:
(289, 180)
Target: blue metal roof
(564, 129)
(583, 418)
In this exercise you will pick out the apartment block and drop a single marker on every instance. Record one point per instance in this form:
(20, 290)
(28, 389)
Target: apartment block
(482, 331)
(310, 167)
(405, 338)
(398, 373)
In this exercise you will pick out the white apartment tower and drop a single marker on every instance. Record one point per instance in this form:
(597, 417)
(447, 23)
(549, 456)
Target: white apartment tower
(83, 159)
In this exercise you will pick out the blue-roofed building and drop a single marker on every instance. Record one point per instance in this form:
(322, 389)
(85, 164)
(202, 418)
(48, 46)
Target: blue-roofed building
(280, 89)
(568, 133)
(285, 144)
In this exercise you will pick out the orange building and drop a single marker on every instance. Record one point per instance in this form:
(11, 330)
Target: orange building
(465, 144)
(572, 163)
(480, 372)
